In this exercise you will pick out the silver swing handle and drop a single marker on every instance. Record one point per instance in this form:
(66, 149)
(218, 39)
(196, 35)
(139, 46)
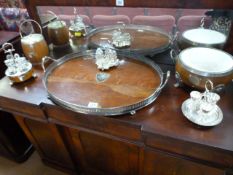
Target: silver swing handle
(45, 59)
(29, 20)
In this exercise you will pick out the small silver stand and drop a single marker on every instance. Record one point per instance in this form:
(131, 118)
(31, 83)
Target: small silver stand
(17, 67)
(202, 108)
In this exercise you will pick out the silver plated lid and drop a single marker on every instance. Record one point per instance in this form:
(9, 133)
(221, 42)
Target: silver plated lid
(204, 36)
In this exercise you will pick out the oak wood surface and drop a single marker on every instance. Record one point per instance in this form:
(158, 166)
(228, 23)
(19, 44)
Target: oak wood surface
(78, 78)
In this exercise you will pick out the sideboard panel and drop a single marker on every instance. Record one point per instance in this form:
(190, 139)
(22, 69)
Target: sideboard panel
(104, 155)
(46, 138)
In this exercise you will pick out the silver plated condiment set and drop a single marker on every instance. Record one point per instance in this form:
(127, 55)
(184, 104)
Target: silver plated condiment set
(202, 108)
(19, 69)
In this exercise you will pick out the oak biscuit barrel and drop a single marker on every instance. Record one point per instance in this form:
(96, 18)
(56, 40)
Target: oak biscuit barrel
(196, 65)
(58, 33)
(34, 45)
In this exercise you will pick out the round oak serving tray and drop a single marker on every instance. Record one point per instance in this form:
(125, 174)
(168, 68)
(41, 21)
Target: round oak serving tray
(74, 82)
(145, 39)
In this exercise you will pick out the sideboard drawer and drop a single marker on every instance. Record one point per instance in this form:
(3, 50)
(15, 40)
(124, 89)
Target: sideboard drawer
(190, 149)
(106, 125)
(161, 163)
(23, 109)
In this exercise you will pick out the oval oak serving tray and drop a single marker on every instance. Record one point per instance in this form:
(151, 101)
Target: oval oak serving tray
(145, 39)
(74, 82)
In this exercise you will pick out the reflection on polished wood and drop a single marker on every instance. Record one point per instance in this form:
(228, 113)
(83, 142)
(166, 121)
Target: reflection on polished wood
(78, 78)
(197, 4)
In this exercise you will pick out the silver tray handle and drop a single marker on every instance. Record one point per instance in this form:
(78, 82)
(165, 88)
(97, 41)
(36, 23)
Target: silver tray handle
(165, 81)
(45, 59)
(173, 55)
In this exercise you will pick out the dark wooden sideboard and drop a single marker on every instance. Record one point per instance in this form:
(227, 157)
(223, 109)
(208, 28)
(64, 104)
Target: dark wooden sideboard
(158, 139)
